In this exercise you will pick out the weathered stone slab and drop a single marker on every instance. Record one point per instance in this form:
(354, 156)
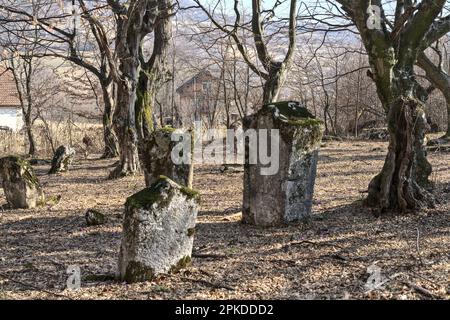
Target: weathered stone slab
(94, 218)
(62, 159)
(20, 184)
(156, 160)
(158, 231)
(287, 195)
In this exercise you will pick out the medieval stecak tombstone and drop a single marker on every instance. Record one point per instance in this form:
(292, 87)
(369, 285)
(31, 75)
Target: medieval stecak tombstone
(62, 158)
(156, 158)
(286, 196)
(158, 231)
(20, 184)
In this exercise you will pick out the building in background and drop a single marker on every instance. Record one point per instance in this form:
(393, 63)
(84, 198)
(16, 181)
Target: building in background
(196, 96)
(10, 107)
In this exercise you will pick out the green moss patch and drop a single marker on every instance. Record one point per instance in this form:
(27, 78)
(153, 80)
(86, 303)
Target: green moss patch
(168, 130)
(138, 272)
(190, 193)
(181, 264)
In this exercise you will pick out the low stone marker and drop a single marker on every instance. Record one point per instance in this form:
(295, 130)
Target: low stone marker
(62, 158)
(20, 184)
(155, 155)
(94, 218)
(285, 196)
(158, 231)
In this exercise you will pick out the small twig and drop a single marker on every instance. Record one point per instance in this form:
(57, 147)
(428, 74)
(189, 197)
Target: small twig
(312, 243)
(209, 256)
(421, 289)
(418, 246)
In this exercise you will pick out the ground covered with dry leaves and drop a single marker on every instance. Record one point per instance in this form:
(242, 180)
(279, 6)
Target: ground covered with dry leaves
(324, 258)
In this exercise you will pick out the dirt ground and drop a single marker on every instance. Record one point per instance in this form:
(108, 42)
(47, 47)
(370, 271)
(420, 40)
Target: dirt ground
(325, 258)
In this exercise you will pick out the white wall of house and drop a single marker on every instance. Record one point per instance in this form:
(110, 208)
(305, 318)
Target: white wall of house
(11, 117)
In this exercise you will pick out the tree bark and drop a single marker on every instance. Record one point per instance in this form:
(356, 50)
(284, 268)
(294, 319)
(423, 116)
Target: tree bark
(124, 120)
(145, 104)
(397, 186)
(30, 135)
(392, 55)
(131, 30)
(111, 149)
(153, 72)
(274, 82)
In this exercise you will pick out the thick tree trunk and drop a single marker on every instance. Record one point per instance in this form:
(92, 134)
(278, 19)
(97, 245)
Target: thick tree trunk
(152, 72)
(274, 82)
(111, 149)
(124, 121)
(144, 106)
(131, 30)
(397, 186)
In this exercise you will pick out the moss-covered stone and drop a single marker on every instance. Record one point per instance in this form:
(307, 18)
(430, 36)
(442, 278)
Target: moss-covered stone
(285, 196)
(168, 130)
(154, 194)
(62, 159)
(181, 264)
(158, 230)
(191, 232)
(151, 195)
(190, 193)
(94, 217)
(290, 110)
(21, 185)
(156, 158)
(138, 272)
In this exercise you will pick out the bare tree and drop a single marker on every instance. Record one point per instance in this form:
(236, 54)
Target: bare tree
(53, 35)
(274, 73)
(135, 21)
(392, 48)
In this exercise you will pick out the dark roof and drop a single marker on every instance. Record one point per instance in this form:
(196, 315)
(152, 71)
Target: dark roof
(191, 80)
(9, 96)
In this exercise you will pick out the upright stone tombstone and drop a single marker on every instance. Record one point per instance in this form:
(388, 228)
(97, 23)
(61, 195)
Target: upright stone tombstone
(62, 159)
(20, 184)
(286, 195)
(156, 157)
(158, 231)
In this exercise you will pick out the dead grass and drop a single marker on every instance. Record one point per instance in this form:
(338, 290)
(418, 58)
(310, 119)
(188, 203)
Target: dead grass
(325, 258)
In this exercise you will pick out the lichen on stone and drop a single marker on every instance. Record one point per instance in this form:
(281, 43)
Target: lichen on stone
(167, 130)
(153, 194)
(149, 196)
(181, 264)
(190, 193)
(138, 272)
(191, 232)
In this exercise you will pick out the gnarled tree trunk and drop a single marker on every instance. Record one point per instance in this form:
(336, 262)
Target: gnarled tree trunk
(153, 71)
(397, 185)
(132, 28)
(111, 149)
(392, 54)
